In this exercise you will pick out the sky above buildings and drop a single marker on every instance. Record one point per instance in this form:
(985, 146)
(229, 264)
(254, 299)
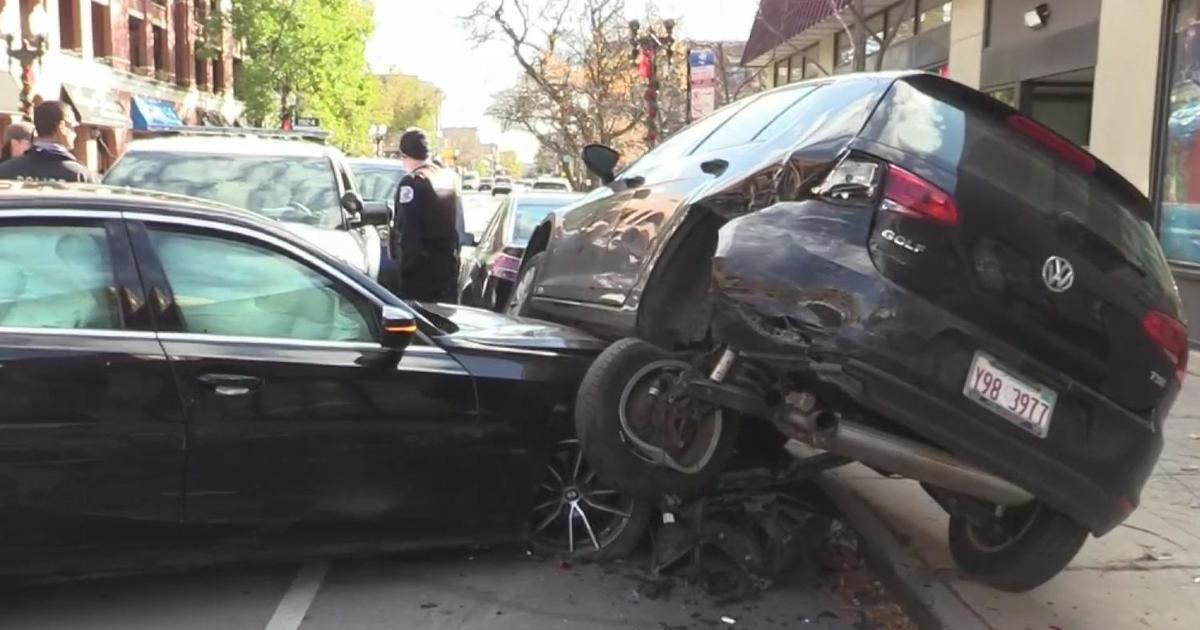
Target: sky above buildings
(426, 38)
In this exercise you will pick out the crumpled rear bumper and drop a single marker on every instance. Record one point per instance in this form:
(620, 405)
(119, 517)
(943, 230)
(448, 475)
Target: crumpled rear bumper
(794, 288)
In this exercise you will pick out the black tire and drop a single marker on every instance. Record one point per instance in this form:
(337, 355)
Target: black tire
(1038, 547)
(596, 502)
(519, 303)
(609, 448)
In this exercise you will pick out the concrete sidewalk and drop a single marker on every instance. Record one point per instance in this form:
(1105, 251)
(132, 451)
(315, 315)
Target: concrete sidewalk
(1145, 573)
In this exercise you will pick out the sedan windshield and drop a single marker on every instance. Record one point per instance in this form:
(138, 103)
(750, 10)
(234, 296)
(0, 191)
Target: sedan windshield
(293, 189)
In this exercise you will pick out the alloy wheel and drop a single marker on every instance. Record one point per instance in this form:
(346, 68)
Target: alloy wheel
(575, 513)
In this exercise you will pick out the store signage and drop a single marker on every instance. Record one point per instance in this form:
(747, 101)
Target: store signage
(702, 82)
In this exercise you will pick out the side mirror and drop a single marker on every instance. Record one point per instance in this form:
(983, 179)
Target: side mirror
(375, 213)
(352, 202)
(601, 161)
(399, 326)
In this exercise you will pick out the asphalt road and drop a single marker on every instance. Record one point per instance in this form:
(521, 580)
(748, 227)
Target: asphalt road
(498, 589)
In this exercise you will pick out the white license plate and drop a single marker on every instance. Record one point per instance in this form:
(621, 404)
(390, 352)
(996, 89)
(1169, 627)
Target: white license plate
(1024, 403)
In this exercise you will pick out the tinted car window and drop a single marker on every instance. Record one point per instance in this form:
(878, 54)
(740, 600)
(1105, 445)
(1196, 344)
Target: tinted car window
(56, 277)
(836, 109)
(750, 120)
(682, 142)
(984, 156)
(378, 183)
(294, 189)
(227, 287)
(528, 216)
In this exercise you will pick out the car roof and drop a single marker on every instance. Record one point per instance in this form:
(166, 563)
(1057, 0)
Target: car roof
(233, 145)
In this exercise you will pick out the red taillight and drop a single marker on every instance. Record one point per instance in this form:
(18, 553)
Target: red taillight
(1053, 142)
(913, 196)
(1171, 336)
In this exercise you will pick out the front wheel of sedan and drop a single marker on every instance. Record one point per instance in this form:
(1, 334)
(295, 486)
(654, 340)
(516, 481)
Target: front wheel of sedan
(579, 516)
(1024, 547)
(522, 292)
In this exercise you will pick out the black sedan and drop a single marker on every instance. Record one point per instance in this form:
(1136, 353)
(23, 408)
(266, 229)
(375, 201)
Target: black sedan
(175, 371)
(487, 274)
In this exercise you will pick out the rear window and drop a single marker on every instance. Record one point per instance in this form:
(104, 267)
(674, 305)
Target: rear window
(292, 189)
(969, 145)
(528, 216)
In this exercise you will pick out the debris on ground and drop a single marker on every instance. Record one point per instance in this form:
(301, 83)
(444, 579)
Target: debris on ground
(864, 596)
(728, 620)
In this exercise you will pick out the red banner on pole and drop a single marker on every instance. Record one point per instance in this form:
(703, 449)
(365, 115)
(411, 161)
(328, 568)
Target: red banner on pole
(644, 65)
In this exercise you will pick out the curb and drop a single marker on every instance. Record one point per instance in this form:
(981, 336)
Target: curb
(931, 603)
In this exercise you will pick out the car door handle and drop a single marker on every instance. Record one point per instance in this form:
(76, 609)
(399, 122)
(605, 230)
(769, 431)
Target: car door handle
(231, 384)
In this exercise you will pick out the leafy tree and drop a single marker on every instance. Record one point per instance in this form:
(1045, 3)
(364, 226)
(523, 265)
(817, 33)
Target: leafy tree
(511, 163)
(578, 82)
(306, 54)
(406, 101)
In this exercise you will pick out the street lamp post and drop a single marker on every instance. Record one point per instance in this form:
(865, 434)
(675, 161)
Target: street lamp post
(26, 50)
(647, 45)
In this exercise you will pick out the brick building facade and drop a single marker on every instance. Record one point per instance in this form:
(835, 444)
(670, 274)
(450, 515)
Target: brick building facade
(122, 63)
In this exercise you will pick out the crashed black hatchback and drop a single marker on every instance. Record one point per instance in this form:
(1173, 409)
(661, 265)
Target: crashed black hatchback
(893, 268)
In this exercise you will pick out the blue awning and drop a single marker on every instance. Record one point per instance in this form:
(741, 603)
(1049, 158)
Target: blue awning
(154, 113)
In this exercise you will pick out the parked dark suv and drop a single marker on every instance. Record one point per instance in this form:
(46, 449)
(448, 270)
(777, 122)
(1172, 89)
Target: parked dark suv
(893, 268)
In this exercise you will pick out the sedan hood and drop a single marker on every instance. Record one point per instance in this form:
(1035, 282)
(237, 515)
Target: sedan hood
(337, 243)
(476, 326)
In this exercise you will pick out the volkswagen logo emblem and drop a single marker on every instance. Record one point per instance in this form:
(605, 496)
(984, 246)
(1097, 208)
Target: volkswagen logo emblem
(1058, 274)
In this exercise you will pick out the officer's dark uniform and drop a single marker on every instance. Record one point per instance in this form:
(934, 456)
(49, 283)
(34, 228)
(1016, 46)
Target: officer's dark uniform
(46, 163)
(425, 237)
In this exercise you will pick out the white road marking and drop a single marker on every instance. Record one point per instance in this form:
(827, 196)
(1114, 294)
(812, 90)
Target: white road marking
(299, 596)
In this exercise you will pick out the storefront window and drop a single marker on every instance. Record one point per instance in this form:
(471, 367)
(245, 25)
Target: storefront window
(843, 51)
(812, 67)
(876, 27)
(1180, 159)
(781, 73)
(796, 70)
(932, 14)
(901, 14)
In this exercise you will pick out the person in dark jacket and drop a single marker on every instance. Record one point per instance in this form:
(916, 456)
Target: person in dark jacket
(18, 138)
(50, 159)
(425, 238)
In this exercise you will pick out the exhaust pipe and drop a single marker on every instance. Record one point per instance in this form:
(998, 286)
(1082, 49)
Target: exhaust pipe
(902, 456)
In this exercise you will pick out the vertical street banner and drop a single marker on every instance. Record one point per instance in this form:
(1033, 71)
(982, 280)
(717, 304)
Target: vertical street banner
(702, 82)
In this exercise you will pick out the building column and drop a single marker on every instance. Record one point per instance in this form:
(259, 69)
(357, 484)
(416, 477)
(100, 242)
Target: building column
(966, 41)
(1125, 92)
(826, 56)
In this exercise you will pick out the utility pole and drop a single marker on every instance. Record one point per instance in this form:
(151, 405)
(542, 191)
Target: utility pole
(646, 47)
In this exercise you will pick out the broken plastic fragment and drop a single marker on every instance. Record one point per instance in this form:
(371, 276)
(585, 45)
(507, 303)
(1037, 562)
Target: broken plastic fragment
(728, 620)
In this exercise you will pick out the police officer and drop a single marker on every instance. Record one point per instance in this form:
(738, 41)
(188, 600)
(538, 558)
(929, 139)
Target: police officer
(50, 159)
(425, 238)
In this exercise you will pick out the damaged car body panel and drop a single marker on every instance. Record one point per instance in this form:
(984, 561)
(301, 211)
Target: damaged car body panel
(899, 270)
(606, 252)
